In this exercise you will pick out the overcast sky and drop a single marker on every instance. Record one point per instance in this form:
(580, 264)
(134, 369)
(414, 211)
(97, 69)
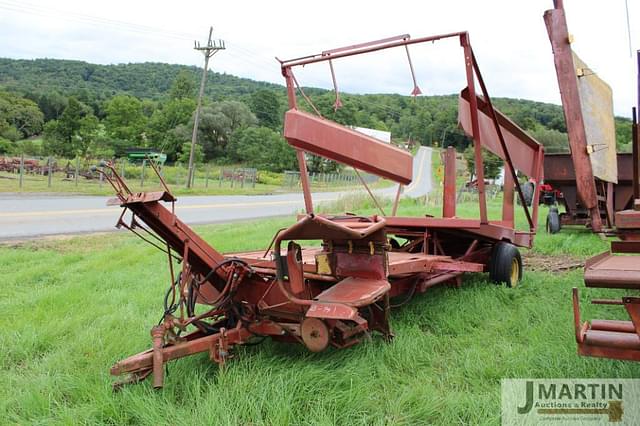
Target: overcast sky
(509, 39)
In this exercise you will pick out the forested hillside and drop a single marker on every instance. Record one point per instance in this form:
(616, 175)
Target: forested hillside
(100, 110)
(146, 80)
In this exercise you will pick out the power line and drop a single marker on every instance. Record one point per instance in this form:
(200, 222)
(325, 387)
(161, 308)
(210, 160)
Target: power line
(89, 19)
(242, 54)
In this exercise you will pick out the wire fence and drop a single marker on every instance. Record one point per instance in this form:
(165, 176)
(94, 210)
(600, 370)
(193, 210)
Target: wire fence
(52, 174)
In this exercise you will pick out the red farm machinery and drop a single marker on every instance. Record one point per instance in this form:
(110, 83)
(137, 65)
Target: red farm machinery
(342, 290)
(593, 181)
(604, 185)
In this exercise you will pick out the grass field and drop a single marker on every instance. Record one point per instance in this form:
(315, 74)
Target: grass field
(73, 307)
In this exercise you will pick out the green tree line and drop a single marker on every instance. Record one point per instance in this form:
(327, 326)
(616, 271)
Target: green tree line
(101, 110)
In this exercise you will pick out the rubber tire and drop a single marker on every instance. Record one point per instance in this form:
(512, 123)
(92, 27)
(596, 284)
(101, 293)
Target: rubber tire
(501, 264)
(553, 221)
(527, 192)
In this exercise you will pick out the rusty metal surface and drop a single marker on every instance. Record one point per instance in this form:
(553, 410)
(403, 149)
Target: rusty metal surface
(449, 197)
(523, 148)
(315, 334)
(619, 268)
(613, 271)
(335, 142)
(556, 23)
(320, 136)
(560, 174)
(559, 168)
(338, 293)
(628, 220)
(356, 292)
(609, 338)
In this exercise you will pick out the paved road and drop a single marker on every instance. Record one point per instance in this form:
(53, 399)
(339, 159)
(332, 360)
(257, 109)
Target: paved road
(33, 215)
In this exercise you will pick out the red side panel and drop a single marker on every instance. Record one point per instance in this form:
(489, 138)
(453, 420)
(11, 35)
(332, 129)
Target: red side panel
(524, 150)
(335, 142)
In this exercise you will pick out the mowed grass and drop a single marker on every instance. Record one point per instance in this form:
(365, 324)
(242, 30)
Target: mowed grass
(71, 308)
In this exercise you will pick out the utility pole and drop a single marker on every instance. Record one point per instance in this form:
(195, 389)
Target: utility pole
(212, 47)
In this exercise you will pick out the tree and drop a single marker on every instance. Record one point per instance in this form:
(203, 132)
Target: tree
(198, 153)
(22, 116)
(71, 133)
(183, 86)
(623, 134)
(52, 105)
(86, 134)
(491, 162)
(148, 107)
(267, 108)
(218, 121)
(262, 148)
(6, 146)
(553, 140)
(125, 122)
(161, 130)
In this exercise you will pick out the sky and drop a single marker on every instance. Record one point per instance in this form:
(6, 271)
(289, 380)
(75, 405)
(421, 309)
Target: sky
(508, 37)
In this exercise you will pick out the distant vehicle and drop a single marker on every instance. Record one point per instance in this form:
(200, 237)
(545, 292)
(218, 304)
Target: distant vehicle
(137, 155)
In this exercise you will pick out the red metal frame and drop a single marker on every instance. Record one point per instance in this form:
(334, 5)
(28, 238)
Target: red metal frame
(557, 29)
(342, 291)
(618, 268)
(487, 127)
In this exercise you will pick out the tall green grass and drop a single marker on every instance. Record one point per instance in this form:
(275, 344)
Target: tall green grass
(71, 308)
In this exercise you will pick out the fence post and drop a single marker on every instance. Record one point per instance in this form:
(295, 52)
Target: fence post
(75, 175)
(49, 173)
(144, 163)
(101, 176)
(221, 177)
(21, 169)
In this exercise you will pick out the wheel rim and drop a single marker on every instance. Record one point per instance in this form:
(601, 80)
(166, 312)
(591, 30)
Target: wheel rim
(515, 272)
(315, 334)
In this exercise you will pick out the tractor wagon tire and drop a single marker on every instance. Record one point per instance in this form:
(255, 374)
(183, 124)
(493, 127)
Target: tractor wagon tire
(527, 192)
(553, 221)
(506, 264)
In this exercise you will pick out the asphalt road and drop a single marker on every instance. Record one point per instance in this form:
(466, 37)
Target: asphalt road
(34, 215)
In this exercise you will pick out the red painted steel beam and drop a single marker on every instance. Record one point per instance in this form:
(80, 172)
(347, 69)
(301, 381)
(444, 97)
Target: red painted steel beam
(523, 149)
(608, 352)
(367, 44)
(475, 127)
(507, 199)
(635, 152)
(557, 29)
(449, 196)
(635, 140)
(364, 48)
(431, 222)
(201, 256)
(335, 142)
(612, 339)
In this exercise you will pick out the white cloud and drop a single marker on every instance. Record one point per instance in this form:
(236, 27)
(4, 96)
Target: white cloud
(509, 39)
